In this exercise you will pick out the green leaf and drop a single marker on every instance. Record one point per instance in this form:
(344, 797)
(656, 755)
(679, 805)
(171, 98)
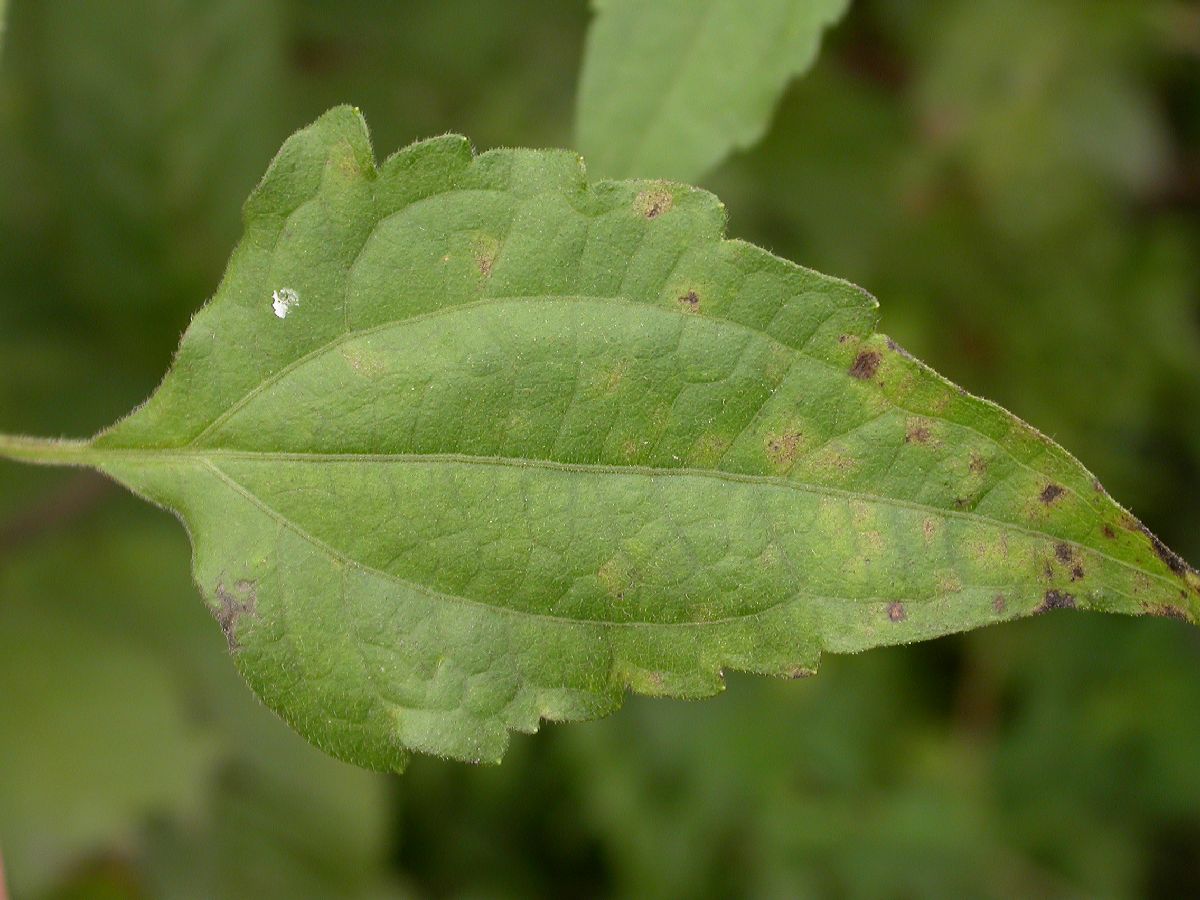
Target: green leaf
(94, 737)
(669, 89)
(466, 442)
(186, 104)
(125, 731)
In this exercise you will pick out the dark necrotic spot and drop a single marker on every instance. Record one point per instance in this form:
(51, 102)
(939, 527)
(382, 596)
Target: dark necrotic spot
(690, 301)
(1108, 532)
(917, 434)
(232, 605)
(1055, 600)
(1174, 562)
(865, 365)
(784, 448)
(999, 604)
(654, 203)
(1051, 492)
(1077, 573)
(1063, 551)
(896, 348)
(896, 611)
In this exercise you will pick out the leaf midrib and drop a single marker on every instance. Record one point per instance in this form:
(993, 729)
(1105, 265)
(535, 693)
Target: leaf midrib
(331, 345)
(210, 456)
(435, 594)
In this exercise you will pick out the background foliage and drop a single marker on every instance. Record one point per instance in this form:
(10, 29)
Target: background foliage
(1016, 180)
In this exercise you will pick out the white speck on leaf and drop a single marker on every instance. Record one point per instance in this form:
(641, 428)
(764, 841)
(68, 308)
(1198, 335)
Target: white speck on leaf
(283, 300)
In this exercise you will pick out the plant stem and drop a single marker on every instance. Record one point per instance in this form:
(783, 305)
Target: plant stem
(45, 451)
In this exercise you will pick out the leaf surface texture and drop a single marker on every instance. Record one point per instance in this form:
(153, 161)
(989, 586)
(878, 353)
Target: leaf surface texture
(467, 442)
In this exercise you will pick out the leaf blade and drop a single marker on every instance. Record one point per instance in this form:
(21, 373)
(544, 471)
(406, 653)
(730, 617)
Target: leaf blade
(524, 442)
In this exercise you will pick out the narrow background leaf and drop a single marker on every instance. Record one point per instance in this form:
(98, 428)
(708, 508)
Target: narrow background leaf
(141, 747)
(669, 88)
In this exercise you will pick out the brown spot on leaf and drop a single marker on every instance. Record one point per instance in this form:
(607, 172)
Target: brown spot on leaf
(801, 672)
(654, 203)
(896, 611)
(1063, 551)
(1165, 611)
(978, 464)
(232, 605)
(832, 460)
(843, 338)
(999, 604)
(1174, 562)
(1107, 531)
(947, 582)
(1051, 492)
(1077, 572)
(618, 577)
(1055, 600)
(784, 448)
(485, 253)
(865, 365)
(917, 433)
(690, 301)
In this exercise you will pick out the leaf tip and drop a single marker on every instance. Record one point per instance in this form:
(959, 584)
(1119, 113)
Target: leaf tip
(296, 171)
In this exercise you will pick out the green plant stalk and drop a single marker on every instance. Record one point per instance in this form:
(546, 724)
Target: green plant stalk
(48, 451)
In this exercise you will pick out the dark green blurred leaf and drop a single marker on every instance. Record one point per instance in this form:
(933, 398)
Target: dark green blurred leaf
(144, 743)
(132, 138)
(94, 743)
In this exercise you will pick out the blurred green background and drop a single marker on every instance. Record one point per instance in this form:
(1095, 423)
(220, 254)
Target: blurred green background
(1017, 180)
